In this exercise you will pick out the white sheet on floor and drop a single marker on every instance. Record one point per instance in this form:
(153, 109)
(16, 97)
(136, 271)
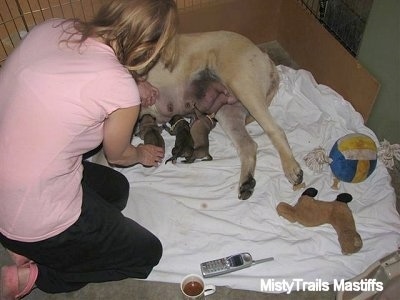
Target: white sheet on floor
(194, 209)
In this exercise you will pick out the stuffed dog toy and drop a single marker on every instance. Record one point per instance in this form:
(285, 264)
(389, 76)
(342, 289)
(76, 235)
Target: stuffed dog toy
(310, 212)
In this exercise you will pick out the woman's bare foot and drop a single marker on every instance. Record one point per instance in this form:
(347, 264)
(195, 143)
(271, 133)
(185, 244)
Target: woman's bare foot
(18, 281)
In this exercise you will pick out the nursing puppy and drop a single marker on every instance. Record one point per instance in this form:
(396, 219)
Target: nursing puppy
(150, 132)
(225, 74)
(183, 147)
(200, 130)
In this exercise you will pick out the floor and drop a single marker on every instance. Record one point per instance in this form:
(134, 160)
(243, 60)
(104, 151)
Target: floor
(146, 290)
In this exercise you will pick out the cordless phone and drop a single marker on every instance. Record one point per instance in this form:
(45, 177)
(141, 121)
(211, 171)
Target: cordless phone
(229, 264)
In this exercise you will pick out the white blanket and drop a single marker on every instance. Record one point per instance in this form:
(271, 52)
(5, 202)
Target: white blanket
(194, 209)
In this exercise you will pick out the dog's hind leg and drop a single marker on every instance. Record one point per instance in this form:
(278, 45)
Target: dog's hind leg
(232, 119)
(278, 138)
(255, 94)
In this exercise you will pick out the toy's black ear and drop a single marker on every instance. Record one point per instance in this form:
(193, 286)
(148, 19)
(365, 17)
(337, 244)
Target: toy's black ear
(311, 192)
(344, 197)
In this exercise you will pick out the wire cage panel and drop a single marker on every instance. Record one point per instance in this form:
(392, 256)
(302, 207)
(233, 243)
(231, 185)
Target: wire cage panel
(345, 19)
(17, 17)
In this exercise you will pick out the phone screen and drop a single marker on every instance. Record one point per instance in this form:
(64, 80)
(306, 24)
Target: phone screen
(236, 260)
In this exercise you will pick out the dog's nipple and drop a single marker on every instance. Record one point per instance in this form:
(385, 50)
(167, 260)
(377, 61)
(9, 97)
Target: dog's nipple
(170, 107)
(188, 105)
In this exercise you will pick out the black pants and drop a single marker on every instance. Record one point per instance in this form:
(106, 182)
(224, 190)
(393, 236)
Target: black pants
(102, 245)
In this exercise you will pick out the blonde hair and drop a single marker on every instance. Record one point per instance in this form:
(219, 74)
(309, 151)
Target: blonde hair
(137, 30)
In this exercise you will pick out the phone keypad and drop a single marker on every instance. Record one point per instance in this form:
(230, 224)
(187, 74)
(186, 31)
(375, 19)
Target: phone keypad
(217, 265)
(225, 265)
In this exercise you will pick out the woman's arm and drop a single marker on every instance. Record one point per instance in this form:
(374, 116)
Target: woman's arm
(118, 128)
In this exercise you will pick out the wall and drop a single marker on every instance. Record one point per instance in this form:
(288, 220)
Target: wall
(255, 19)
(313, 48)
(380, 54)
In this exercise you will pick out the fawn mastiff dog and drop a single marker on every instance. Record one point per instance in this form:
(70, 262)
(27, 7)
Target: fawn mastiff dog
(225, 75)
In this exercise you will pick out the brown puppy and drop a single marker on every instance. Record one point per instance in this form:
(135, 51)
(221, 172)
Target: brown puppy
(150, 132)
(183, 141)
(238, 82)
(200, 130)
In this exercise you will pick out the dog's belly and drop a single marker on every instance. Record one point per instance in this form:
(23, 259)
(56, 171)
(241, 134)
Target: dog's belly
(203, 92)
(170, 103)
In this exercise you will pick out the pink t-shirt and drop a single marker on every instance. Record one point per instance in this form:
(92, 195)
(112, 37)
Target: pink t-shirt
(54, 98)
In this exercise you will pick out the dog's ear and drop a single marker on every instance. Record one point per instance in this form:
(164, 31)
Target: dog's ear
(311, 192)
(344, 197)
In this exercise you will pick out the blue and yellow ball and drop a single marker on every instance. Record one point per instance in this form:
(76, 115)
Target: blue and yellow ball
(354, 157)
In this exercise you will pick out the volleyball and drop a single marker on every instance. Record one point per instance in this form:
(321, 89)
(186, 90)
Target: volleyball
(353, 157)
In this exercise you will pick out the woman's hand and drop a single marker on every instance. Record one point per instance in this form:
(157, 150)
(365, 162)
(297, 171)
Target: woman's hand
(150, 155)
(117, 146)
(148, 93)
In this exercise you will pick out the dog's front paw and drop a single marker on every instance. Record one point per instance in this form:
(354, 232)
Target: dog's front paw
(246, 189)
(293, 172)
